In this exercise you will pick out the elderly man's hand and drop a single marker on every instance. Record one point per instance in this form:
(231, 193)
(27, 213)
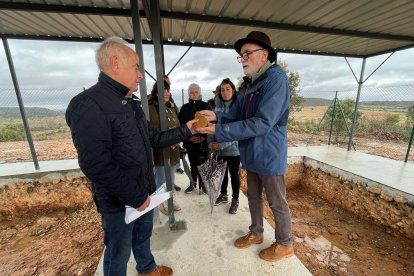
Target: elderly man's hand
(210, 115)
(145, 204)
(191, 126)
(210, 129)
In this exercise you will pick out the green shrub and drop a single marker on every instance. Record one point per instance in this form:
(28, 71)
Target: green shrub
(12, 132)
(392, 119)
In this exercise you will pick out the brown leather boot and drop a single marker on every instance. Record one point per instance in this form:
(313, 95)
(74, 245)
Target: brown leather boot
(276, 252)
(248, 240)
(159, 271)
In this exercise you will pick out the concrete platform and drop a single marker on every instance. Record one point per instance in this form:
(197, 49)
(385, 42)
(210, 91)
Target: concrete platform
(206, 246)
(396, 175)
(16, 172)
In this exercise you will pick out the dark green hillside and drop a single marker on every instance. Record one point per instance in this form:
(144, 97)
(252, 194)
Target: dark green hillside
(11, 112)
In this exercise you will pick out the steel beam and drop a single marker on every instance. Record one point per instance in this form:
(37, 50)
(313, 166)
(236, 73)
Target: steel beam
(354, 117)
(158, 52)
(136, 26)
(21, 105)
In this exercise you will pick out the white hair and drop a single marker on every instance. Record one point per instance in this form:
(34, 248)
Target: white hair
(194, 85)
(111, 46)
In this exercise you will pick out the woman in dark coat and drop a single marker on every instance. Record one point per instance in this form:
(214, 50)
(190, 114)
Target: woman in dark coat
(196, 146)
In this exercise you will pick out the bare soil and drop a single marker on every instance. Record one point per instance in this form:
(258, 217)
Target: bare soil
(54, 229)
(332, 241)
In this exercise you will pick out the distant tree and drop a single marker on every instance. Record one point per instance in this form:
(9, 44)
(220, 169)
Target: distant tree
(296, 101)
(410, 114)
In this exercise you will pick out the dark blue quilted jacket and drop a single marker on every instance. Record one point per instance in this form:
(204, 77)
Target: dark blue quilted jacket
(113, 140)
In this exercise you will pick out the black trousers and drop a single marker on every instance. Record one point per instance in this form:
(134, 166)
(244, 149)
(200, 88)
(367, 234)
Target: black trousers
(233, 164)
(196, 156)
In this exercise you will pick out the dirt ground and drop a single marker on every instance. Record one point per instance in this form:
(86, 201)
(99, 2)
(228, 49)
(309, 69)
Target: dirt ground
(331, 241)
(380, 144)
(54, 229)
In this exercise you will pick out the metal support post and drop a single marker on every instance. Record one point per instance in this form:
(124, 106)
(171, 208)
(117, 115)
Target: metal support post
(136, 26)
(346, 123)
(354, 117)
(158, 55)
(21, 105)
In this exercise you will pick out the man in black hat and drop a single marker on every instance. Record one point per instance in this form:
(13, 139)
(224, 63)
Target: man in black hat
(258, 121)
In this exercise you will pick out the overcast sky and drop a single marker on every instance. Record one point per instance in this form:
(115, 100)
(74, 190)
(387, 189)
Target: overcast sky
(56, 65)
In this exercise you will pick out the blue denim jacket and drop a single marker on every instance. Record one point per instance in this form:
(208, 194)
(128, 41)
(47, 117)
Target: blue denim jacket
(226, 148)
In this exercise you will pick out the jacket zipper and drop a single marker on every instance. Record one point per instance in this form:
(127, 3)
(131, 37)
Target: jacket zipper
(248, 105)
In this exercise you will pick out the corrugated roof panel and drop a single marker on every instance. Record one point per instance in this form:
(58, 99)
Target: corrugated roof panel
(103, 23)
(84, 23)
(393, 9)
(339, 17)
(326, 8)
(342, 12)
(69, 23)
(145, 30)
(393, 24)
(358, 9)
(24, 26)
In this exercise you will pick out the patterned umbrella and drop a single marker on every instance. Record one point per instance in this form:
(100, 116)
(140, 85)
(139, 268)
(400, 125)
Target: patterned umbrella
(212, 174)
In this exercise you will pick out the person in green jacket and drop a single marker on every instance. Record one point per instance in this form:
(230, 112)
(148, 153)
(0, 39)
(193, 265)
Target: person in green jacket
(174, 152)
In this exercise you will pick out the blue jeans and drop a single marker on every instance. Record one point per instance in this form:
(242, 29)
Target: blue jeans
(160, 175)
(120, 238)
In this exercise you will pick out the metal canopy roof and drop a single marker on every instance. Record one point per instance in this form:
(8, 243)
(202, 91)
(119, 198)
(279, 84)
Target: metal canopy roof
(355, 28)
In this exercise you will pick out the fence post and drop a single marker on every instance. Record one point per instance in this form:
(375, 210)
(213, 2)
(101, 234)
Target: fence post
(409, 145)
(333, 117)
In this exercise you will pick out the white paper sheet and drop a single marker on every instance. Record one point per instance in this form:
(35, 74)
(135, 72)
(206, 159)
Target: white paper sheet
(158, 197)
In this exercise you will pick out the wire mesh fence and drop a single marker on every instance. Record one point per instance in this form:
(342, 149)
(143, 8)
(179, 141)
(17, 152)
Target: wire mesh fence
(384, 121)
(45, 113)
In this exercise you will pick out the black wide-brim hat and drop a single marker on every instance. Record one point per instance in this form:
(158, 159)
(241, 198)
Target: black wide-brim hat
(258, 38)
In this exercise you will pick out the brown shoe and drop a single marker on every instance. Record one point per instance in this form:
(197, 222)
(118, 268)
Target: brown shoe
(276, 252)
(247, 240)
(163, 208)
(159, 271)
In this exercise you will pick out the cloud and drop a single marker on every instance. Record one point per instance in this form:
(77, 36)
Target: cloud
(61, 65)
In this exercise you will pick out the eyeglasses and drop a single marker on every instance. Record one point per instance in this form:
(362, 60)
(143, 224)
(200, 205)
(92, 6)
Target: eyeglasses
(246, 55)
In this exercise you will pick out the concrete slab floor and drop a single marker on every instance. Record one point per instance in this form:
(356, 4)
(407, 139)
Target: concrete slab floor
(206, 246)
(392, 173)
(16, 172)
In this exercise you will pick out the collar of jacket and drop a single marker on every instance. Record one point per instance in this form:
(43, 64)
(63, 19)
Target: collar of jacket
(112, 84)
(168, 104)
(194, 101)
(220, 103)
(260, 78)
(261, 71)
